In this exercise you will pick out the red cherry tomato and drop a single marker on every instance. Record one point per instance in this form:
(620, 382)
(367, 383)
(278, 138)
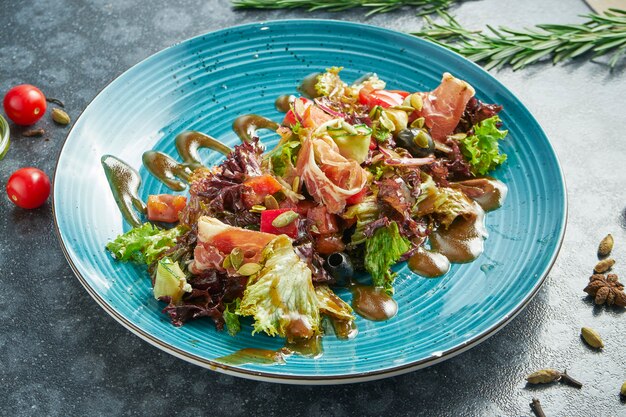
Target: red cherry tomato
(264, 185)
(28, 188)
(24, 104)
(358, 197)
(165, 207)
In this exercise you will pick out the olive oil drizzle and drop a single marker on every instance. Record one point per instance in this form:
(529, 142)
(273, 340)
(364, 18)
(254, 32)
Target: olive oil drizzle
(188, 143)
(247, 125)
(124, 182)
(166, 169)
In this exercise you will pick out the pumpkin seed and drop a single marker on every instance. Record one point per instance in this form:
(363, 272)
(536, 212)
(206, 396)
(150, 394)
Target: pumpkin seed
(271, 203)
(296, 184)
(419, 122)
(236, 258)
(285, 219)
(248, 269)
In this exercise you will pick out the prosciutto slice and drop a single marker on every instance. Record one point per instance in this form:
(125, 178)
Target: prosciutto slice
(443, 107)
(330, 178)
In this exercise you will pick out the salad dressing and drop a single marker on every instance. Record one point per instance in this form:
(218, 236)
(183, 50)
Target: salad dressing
(488, 192)
(309, 347)
(463, 240)
(307, 86)
(253, 356)
(124, 182)
(344, 329)
(166, 169)
(283, 103)
(428, 263)
(373, 303)
(188, 143)
(246, 126)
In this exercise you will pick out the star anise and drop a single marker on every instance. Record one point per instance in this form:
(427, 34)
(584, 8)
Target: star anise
(606, 289)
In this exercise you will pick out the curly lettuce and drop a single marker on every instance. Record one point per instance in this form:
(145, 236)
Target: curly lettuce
(329, 83)
(383, 250)
(481, 149)
(283, 158)
(331, 305)
(144, 244)
(443, 203)
(281, 298)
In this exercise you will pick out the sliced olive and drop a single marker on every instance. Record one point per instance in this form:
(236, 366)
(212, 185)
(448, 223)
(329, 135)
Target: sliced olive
(340, 267)
(417, 141)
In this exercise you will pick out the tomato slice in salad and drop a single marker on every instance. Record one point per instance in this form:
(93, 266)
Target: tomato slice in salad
(268, 216)
(264, 185)
(384, 98)
(165, 207)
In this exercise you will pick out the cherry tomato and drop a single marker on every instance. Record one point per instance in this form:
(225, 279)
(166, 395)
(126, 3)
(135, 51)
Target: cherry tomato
(28, 188)
(358, 197)
(24, 104)
(264, 185)
(165, 207)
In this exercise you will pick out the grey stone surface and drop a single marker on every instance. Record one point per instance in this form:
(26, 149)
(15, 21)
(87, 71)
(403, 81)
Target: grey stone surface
(62, 355)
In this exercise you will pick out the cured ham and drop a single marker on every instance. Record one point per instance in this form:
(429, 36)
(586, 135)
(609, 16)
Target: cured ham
(443, 107)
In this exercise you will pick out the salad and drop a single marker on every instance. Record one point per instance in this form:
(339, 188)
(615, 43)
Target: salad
(362, 178)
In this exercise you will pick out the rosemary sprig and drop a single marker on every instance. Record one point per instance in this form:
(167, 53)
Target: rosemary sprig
(600, 35)
(375, 6)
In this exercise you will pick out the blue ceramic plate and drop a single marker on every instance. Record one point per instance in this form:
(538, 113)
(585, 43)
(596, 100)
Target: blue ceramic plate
(203, 84)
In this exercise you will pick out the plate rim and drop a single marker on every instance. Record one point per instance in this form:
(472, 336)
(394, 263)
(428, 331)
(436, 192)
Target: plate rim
(315, 379)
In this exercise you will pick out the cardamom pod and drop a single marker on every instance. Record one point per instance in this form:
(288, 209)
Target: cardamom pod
(604, 265)
(236, 258)
(285, 219)
(60, 117)
(248, 269)
(543, 376)
(623, 390)
(606, 246)
(270, 202)
(592, 338)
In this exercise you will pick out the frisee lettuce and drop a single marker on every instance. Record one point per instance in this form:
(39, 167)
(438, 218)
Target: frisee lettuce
(144, 244)
(383, 250)
(281, 297)
(481, 149)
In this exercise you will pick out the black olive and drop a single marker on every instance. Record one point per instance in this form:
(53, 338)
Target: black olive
(417, 141)
(340, 267)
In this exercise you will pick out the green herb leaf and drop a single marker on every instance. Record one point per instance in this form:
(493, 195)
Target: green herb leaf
(144, 244)
(231, 317)
(382, 251)
(481, 149)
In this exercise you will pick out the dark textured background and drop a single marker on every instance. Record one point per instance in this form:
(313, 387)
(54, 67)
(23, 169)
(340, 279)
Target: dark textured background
(61, 354)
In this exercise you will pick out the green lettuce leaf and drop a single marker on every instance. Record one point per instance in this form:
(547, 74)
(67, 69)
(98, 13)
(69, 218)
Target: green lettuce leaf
(329, 83)
(231, 317)
(281, 297)
(284, 157)
(443, 203)
(144, 244)
(331, 305)
(365, 212)
(481, 149)
(383, 250)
